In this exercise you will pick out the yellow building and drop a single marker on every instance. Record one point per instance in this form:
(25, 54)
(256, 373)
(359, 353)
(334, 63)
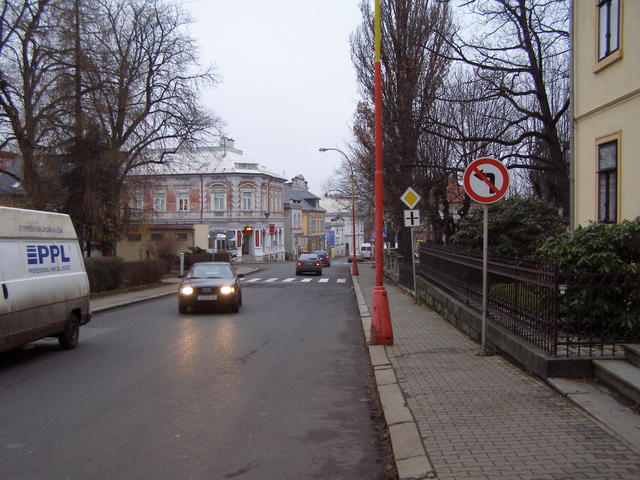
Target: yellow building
(312, 235)
(606, 110)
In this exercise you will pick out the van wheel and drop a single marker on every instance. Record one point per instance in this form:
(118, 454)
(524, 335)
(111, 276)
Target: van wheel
(69, 338)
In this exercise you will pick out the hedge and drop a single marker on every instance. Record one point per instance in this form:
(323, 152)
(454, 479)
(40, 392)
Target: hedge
(113, 273)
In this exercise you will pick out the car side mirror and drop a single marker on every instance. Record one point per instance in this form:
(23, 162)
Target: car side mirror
(241, 275)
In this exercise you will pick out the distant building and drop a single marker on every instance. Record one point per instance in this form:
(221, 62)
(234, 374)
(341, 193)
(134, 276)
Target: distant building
(312, 235)
(606, 110)
(339, 225)
(213, 198)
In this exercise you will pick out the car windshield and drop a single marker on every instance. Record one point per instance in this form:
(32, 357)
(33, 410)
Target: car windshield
(320, 252)
(308, 257)
(211, 271)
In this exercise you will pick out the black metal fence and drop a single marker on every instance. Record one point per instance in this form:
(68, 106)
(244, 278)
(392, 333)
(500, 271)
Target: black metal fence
(563, 314)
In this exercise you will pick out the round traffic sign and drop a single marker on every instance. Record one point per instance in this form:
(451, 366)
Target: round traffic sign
(486, 180)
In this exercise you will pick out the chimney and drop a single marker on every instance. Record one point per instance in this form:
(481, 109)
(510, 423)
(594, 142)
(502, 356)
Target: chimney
(299, 183)
(227, 142)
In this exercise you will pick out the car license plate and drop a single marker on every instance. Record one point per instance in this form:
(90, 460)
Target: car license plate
(206, 297)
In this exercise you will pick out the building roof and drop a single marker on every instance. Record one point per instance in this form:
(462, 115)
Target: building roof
(336, 204)
(224, 158)
(305, 197)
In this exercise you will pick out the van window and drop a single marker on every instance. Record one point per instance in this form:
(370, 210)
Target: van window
(365, 249)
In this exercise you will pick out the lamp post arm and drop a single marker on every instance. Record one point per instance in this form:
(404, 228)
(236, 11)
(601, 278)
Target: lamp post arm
(354, 264)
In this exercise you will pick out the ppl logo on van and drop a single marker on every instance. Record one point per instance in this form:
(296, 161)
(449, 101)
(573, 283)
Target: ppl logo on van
(41, 254)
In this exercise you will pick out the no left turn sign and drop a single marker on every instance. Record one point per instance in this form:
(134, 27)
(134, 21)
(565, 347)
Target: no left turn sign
(486, 180)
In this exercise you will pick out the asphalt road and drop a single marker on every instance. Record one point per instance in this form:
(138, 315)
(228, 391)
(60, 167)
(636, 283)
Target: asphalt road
(277, 391)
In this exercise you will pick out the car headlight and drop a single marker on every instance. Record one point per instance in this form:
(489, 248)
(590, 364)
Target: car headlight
(188, 290)
(226, 290)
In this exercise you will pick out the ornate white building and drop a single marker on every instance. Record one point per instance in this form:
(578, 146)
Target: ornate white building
(213, 198)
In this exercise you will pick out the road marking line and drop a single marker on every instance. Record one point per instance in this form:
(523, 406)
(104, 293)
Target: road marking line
(257, 279)
(305, 280)
(342, 280)
(289, 279)
(271, 280)
(323, 280)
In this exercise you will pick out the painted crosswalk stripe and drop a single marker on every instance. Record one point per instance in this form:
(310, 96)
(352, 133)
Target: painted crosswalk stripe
(305, 280)
(323, 280)
(271, 280)
(257, 279)
(342, 280)
(289, 279)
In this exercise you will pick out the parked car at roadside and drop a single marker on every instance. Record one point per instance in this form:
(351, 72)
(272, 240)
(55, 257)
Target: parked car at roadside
(308, 263)
(359, 257)
(323, 256)
(366, 251)
(210, 284)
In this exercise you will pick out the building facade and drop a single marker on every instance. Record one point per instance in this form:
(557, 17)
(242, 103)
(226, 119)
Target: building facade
(339, 225)
(312, 236)
(212, 198)
(606, 106)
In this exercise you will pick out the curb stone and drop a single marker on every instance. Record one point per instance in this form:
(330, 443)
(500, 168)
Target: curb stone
(410, 456)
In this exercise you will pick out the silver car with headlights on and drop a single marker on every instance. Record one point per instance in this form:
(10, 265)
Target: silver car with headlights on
(210, 284)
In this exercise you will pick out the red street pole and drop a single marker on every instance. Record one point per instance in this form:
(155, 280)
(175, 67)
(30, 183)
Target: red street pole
(381, 331)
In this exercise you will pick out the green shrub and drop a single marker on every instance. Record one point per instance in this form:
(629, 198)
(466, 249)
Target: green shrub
(596, 248)
(517, 227)
(600, 266)
(143, 272)
(105, 273)
(191, 258)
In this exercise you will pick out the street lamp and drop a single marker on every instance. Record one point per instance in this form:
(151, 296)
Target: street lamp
(354, 264)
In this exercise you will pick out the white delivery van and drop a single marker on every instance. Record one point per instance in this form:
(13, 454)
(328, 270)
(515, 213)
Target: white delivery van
(365, 250)
(45, 289)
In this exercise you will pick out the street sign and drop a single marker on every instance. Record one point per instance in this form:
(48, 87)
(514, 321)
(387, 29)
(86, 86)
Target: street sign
(486, 180)
(410, 197)
(411, 218)
(372, 238)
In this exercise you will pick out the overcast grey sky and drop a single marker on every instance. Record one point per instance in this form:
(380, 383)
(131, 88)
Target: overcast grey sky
(287, 83)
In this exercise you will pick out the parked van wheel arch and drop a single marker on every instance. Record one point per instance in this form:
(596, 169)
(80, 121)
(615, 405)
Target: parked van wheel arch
(69, 338)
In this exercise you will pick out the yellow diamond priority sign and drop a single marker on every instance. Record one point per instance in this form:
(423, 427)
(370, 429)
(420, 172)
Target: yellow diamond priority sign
(410, 198)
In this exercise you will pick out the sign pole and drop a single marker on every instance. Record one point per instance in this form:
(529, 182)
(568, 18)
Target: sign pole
(485, 257)
(413, 264)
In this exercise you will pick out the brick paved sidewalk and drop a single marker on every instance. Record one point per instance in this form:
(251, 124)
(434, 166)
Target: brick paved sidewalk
(482, 418)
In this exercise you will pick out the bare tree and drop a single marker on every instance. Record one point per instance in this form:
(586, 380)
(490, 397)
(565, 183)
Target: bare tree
(412, 73)
(519, 55)
(140, 75)
(28, 99)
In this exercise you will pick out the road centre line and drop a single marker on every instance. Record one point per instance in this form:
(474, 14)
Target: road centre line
(271, 280)
(257, 279)
(341, 280)
(323, 280)
(305, 280)
(289, 279)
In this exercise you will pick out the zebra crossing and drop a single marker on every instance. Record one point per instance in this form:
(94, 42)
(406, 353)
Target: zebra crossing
(274, 280)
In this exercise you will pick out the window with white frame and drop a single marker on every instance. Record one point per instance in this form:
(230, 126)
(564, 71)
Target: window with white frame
(247, 200)
(608, 27)
(219, 198)
(608, 181)
(183, 201)
(137, 202)
(160, 202)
